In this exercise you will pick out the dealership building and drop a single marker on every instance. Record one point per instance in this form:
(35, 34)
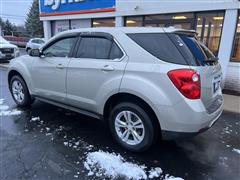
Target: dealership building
(217, 22)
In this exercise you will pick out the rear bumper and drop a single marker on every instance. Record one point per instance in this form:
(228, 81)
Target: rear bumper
(172, 135)
(186, 119)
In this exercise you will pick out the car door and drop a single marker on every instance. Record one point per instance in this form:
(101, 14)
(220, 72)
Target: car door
(49, 70)
(35, 44)
(96, 70)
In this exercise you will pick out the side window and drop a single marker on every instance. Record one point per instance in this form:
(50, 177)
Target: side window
(94, 48)
(160, 46)
(60, 48)
(116, 52)
(34, 41)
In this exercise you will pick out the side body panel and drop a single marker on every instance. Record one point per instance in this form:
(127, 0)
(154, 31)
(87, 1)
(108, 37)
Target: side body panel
(49, 77)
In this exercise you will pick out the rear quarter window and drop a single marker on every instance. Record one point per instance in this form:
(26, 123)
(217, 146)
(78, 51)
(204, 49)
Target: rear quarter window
(160, 46)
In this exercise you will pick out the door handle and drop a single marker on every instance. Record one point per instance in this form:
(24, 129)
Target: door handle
(60, 66)
(108, 68)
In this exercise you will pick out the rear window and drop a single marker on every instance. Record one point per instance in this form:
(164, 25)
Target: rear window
(194, 52)
(160, 46)
(174, 48)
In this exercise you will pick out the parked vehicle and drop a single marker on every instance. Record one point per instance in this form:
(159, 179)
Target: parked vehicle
(7, 51)
(18, 41)
(34, 43)
(144, 82)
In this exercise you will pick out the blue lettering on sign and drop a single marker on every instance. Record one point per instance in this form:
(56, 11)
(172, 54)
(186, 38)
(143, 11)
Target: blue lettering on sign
(65, 6)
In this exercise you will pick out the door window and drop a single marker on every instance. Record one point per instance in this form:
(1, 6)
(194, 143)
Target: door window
(60, 48)
(98, 48)
(116, 52)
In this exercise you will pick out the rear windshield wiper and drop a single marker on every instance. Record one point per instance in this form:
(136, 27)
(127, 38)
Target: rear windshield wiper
(212, 60)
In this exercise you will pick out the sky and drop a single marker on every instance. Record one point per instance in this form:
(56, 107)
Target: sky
(15, 10)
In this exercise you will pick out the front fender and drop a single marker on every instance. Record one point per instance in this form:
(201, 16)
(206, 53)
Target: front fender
(23, 68)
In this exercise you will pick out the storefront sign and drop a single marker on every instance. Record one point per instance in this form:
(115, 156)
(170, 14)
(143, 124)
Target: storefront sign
(65, 7)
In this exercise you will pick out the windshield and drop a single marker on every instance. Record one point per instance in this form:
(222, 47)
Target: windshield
(3, 41)
(41, 41)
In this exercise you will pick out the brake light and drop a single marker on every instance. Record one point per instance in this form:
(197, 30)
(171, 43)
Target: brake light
(187, 81)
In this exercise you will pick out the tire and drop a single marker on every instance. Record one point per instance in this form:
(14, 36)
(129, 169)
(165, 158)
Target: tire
(147, 134)
(28, 50)
(21, 96)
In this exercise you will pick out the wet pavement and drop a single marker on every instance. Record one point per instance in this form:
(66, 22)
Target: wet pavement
(47, 142)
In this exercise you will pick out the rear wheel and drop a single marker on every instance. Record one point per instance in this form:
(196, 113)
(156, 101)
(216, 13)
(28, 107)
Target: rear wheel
(20, 91)
(132, 127)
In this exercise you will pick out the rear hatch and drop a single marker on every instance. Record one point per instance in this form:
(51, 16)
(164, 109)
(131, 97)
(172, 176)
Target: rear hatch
(201, 59)
(182, 48)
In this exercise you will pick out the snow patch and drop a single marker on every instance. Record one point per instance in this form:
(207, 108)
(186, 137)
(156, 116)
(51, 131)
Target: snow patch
(13, 112)
(113, 166)
(4, 110)
(1, 101)
(154, 173)
(168, 177)
(35, 119)
(236, 150)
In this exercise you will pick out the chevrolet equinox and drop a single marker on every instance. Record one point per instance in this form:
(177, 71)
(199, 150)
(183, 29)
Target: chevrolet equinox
(144, 82)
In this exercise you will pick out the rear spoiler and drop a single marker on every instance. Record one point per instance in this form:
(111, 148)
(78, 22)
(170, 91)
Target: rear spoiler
(186, 32)
(180, 31)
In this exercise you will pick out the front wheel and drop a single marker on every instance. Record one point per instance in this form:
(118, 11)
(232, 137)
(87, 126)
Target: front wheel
(132, 127)
(28, 51)
(20, 92)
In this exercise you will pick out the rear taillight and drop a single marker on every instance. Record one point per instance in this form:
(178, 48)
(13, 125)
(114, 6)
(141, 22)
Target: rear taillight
(187, 81)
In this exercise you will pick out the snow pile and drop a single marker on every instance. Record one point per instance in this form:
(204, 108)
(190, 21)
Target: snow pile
(4, 110)
(236, 150)
(115, 166)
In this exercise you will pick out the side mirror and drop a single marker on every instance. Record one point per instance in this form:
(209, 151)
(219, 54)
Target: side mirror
(35, 53)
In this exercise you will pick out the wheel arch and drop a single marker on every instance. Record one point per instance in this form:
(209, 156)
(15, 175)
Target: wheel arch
(14, 72)
(128, 97)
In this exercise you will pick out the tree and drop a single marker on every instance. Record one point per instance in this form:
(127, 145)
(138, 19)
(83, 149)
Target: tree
(2, 25)
(33, 24)
(9, 28)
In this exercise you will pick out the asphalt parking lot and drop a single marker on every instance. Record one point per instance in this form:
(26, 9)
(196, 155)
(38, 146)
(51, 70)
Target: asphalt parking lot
(47, 142)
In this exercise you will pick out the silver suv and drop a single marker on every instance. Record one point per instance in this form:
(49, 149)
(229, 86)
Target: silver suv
(145, 82)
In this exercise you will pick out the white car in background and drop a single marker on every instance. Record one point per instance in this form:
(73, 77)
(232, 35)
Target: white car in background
(34, 43)
(8, 51)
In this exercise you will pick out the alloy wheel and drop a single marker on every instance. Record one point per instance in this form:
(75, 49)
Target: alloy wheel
(17, 91)
(129, 127)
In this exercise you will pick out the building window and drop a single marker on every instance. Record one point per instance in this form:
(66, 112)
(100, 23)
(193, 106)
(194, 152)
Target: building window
(184, 21)
(207, 24)
(209, 29)
(59, 26)
(134, 21)
(103, 22)
(236, 45)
